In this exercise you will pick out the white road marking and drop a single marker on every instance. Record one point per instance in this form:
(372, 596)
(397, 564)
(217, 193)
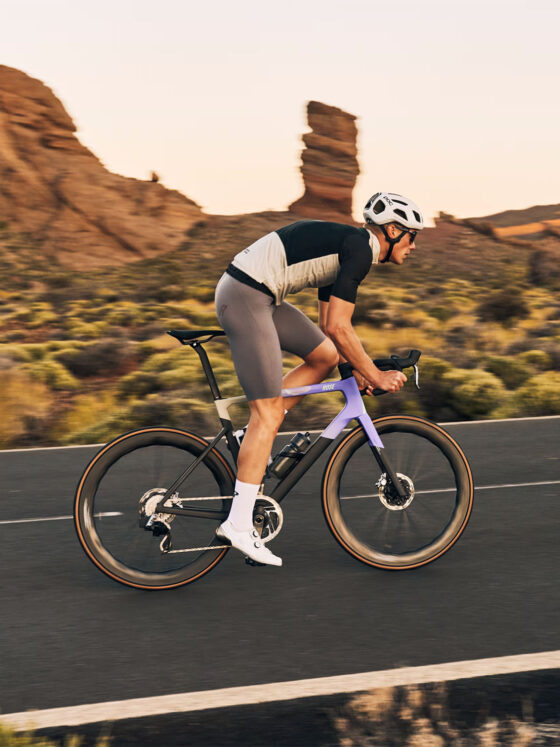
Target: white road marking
(278, 691)
(56, 518)
(290, 433)
(451, 490)
(345, 498)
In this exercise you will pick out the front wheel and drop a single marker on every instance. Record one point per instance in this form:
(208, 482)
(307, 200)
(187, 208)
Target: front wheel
(366, 515)
(118, 494)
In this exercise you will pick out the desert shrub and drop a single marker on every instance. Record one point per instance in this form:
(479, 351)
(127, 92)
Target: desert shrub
(539, 396)
(138, 383)
(176, 378)
(148, 331)
(504, 306)
(24, 407)
(52, 373)
(154, 409)
(474, 393)
(86, 412)
(123, 314)
(104, 358)
(108, 295)
(433, 394)
(40, 314)
(86, 330)
(537, 358)
(442, 313)
(159, 362)
(513, 372)
(552, 349)
(544, 264)
(17, 352)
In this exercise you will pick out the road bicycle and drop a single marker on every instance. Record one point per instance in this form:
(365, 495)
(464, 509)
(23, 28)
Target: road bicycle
(397, 492)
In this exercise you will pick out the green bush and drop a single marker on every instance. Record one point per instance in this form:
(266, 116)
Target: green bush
(24, 407)
(537, 358)
(513, 372)
(104, 358)
(442, 313)
(539, 396)
(138, 383)
(474, 393)
(504, 306)
(52, 373)
(434, 389)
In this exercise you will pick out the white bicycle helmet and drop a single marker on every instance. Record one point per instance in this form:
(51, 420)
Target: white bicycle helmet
(388, 207)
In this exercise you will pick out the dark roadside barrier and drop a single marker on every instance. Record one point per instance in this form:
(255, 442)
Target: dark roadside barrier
(519, 709)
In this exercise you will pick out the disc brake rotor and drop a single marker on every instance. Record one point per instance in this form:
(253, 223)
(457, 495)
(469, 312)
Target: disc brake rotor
(389, 496)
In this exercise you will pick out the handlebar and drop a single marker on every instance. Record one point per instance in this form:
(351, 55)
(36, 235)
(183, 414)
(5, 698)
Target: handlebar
(394, 363)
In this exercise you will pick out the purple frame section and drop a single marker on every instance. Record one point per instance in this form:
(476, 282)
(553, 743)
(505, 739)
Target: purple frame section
(353, 409)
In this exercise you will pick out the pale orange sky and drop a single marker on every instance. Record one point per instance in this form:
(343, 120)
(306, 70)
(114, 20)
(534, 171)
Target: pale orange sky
(457, 101)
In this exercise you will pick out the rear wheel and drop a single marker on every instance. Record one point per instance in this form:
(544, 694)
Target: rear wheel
(119, 491)
(366, 515)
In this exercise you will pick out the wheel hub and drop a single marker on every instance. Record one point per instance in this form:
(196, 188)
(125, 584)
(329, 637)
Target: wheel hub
(389, 496)
(148, 518)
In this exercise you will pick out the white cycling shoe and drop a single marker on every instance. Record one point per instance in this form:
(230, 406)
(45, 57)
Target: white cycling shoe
(248, 542)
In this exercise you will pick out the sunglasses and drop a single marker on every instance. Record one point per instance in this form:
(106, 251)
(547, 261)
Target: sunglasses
(413, 234)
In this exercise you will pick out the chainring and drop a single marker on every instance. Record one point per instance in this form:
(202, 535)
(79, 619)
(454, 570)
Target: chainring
(268, 518)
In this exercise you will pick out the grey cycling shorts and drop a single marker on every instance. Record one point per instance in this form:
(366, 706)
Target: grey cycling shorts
(258, 331)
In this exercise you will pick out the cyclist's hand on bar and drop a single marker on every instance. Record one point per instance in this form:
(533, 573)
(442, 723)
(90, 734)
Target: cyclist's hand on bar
(364, 385)
(390, 381)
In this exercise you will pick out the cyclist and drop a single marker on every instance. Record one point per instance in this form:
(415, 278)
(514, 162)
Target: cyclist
(259, 323)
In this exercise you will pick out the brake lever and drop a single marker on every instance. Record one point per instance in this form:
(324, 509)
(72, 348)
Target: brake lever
(416, 375)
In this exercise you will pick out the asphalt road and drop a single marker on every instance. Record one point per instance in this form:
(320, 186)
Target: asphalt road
(69, 635)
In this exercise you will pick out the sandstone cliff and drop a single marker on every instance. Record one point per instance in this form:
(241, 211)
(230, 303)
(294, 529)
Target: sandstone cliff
(55, 189)
(329, 163)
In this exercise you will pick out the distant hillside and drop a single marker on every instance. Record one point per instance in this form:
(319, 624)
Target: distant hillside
(533, 223)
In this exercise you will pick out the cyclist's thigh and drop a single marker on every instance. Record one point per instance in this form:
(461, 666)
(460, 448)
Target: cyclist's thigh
(245, 315)
(297, 333)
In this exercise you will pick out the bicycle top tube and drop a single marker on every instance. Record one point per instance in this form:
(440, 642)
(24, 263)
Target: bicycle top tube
(353, 409)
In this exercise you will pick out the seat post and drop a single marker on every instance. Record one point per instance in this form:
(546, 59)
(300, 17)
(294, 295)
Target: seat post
(212, 383)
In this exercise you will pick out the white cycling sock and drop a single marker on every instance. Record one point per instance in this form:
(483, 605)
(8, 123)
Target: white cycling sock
(244, 497)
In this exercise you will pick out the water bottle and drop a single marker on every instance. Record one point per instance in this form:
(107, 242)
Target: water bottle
(289, 456)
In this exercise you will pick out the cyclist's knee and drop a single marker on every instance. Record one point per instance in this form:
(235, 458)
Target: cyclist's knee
(268, 413)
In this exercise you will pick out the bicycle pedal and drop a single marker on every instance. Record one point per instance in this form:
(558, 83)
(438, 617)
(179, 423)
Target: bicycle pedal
(252, 562)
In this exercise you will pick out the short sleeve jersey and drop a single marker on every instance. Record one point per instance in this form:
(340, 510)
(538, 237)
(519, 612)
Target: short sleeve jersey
(333, 257)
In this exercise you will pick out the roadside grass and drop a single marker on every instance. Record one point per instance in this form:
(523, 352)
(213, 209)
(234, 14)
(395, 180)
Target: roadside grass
(11, 738)
(410, 716)
(85, 355)
(420, 717)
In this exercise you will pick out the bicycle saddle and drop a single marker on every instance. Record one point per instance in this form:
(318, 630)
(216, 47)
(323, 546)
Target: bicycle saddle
(185, 336)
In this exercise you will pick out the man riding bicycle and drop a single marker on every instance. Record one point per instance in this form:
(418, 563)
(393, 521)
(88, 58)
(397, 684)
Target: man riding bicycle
(259, 323)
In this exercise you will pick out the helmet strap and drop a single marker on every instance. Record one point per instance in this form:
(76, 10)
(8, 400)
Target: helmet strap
(391, 243)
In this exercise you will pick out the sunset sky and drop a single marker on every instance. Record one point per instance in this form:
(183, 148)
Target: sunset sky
(457, 102)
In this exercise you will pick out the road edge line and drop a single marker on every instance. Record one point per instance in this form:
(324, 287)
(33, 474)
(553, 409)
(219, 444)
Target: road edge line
(278, 691)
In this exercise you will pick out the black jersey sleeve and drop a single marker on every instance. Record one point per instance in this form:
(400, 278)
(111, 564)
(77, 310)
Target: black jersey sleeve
(324, 293)
(355, 258)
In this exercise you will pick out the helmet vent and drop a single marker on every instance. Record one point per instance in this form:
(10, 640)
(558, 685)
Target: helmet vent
(417, 216)
(400, 212)
(379, 207)
(400, 202)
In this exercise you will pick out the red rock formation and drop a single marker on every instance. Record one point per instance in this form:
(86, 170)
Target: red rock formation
(54, 188)
(329, 163)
